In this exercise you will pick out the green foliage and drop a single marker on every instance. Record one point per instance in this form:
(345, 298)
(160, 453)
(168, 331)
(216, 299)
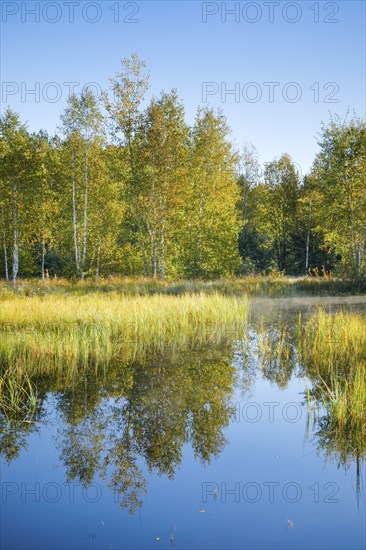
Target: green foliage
(339, 172)
(155, 197)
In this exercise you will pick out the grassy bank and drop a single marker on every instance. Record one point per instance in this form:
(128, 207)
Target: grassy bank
(252, 285)
(61, 331)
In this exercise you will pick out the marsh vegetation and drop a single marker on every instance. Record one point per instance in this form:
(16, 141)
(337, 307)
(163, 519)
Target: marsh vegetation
(45, 332)
(133, 386)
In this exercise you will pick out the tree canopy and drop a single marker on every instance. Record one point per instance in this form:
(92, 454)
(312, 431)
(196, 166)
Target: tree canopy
(128, 187)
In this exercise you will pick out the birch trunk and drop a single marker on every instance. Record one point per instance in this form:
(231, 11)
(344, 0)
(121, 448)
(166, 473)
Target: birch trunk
(307, 252)
(6, 261)
(163, 249)
(85, 212)
(154, 223)
(74, 213)
(5, 248)
(15, 268)
(199, 231)
(162, 234)
(352, 224)
(43, 254)
(15, 250)
(138, 217)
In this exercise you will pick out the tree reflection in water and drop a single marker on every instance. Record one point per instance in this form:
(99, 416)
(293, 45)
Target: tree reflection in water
(144, 410)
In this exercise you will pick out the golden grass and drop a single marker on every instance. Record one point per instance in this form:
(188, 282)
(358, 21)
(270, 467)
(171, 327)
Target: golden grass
(333, 349)
(140, 286)
(62, 330)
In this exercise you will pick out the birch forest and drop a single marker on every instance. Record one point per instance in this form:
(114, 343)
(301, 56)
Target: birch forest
(127, 187)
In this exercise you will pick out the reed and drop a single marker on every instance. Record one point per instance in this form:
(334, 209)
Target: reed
(62, 331)
(333, 351)
(140, 286)
(18, 396)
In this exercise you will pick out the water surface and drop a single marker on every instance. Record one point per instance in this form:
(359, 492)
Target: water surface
(211, 446)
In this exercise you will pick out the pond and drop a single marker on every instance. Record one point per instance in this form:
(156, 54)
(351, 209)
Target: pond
(210, 445)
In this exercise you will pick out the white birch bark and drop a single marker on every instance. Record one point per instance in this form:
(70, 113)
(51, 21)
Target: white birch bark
(74, 215)
(85, 213)
(15, 250)
(5, 247)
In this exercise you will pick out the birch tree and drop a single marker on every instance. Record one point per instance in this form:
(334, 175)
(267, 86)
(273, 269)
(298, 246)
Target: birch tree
(340, 169)
(129, 87)
(212, 219)
(166, 154)
(45, 206)
(282, 186)
(90, 122)
(82, 126)
(70, 129)
(16, 198)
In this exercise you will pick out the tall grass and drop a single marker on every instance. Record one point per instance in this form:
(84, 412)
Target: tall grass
(18, 396)
(139, 286)
(43, 332)
(333, 350)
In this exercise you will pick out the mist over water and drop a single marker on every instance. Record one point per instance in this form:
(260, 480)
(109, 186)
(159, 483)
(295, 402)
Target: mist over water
(306, 305)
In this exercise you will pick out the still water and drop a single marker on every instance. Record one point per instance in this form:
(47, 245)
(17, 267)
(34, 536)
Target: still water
(214, 446)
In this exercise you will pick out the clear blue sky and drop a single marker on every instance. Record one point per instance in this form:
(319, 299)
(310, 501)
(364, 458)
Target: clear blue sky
(259, 44)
